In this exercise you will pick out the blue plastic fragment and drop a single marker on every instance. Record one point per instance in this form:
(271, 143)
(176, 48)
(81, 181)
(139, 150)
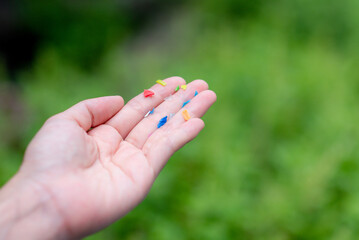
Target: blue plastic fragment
(162, 122)
(185, 103)
(195, 93)
(149, 112)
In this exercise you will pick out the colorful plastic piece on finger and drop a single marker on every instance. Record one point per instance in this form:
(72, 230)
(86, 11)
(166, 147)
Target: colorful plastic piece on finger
(184, 87)
(185, 103)
(186, 115)
(150, 112)
(195, 93)
(161, 82)
(177, 88)
(162, 122)
(148, 93)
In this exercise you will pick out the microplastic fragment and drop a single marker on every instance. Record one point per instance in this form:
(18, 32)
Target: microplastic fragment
(150, 112)
(148, 93)
(195, 93)
(186, 115)
(177, 88)
(184, 87)
(185, 103)
(162, 122)
(161, 82)
(171, 115)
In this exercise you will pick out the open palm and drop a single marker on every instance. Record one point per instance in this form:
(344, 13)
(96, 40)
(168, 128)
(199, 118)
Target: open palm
(98, 159)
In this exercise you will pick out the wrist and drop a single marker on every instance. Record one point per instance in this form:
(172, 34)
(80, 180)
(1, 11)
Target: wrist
(28, 211)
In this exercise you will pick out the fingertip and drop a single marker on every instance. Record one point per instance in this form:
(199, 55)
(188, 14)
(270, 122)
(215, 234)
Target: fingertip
(120, 99)
(200, 123)
(203, 84)
(177, 79)
(110, 104)
(212, 95)
(208, 97)
(193, 126)
(116, 100)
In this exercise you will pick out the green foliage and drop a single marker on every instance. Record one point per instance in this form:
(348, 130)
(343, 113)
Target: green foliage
(278, 158)
(80, 30)
(231, 8)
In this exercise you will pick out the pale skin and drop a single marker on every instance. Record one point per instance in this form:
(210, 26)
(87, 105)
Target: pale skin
(91, 164)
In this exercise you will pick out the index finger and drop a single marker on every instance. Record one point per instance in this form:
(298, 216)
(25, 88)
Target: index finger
(133, 112)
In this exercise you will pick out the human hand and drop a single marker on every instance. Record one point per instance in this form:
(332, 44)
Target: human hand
(91, 164)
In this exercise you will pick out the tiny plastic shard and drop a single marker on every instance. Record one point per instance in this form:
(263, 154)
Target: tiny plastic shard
(148, 93)
(162, 122)
(171, 115)
(186, 115)
(177, 88)
(161, 82)
(185, 103)
(150, 112)
(195, 93)
(184, 87)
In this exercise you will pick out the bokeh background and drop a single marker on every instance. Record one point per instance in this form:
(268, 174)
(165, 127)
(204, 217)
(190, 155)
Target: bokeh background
(279, 157)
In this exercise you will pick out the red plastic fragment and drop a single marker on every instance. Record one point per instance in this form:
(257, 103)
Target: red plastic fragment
(148, 93)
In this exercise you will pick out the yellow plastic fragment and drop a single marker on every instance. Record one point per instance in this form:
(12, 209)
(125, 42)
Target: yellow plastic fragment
(186, 115)
(184, 87)
(161, 82)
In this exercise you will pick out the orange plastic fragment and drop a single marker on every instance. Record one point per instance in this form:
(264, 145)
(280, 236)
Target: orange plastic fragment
(186, 115)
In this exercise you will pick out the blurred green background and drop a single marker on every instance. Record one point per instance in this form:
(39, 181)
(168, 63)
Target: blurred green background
(279, 157)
